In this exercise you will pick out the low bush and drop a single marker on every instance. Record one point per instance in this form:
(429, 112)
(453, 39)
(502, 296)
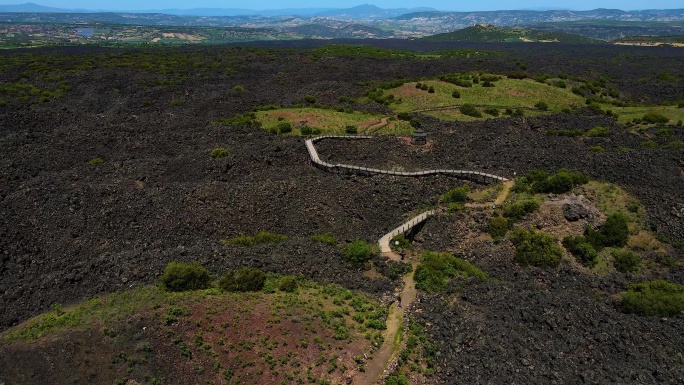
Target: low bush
(470, 110)
(625, 261)
(541, 106)
(436, 269)
(351, 130)
(652, 144)
(598, 131)
(598, 149)
(220, 152)
(415, 123)
(359, 251)
(535, 248)
(493, 111)
(653, 117)
(284, 127)
(288, 284)
(400, 242)
(404, 116)
(581, 249)
(538, 181)
(185, 276)
(431, 90)
(653, 299)
(310, 99)
(456, 195)
(242, 280)
(518, 210)
(259, 238)
(498, 226)
(456, 95)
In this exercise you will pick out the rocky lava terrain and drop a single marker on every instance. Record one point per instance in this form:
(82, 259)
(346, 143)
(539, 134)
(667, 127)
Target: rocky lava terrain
(70, 230)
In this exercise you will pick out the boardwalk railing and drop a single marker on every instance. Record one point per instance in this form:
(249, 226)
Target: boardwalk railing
(384, 242)
(474, 176)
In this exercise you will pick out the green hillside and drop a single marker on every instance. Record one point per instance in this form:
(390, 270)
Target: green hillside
(493, 34)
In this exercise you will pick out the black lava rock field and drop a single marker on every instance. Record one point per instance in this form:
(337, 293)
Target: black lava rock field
(106, 176)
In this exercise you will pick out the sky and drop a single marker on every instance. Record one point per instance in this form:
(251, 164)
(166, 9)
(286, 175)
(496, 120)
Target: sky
(453, 5)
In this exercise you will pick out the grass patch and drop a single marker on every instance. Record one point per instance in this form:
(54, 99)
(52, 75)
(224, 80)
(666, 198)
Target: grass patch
(327, 238)
(436, 269)
(219, 152)
(311, 120)
(508, 93)
(262, 237)
(637, 113)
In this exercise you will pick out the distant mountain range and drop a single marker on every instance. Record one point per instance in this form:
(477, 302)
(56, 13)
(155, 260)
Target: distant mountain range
(366, 11)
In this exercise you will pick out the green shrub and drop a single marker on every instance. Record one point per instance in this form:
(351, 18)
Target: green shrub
(652, 144)
(581, 249)
(431, 90)
(599, 149)
(487, 84)
(96, 161)
(653, 299)
(351, 130)
(415, 123)
(456, 94)
(674, 145)
(493, 111)
(633, 207)
(400, 242)
(184, 276)
(242, 280)
(470, 110)
(288, 284)
(310, 99)
(419, 85)
(436, 269)
(306, 130)
(404, 116)
(498, 226)
(535, 248)
(240, 88)
(327, 238)
(359, 251)
(518, 210)
(665, 132)
(615, 231)
(538, 181)
(541, 106)
(519, 112)
(220, 152)
(259, 238)
(653, 117)
(626, 261)
(598, 131)
(456, 195)
(284, 127)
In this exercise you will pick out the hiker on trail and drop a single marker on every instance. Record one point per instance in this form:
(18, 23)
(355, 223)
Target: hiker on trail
(399, 301)
(402, 254)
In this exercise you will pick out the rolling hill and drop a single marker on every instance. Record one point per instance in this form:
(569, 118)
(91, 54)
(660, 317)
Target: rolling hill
(493, 34)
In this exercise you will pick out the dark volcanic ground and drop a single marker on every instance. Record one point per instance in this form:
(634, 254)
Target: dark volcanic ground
(69, 230)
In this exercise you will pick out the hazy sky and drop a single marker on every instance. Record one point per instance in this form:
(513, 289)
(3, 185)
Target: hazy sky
(480, 5)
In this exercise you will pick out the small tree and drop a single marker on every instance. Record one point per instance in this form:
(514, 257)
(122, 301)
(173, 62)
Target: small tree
(184, 276)
(615, 230)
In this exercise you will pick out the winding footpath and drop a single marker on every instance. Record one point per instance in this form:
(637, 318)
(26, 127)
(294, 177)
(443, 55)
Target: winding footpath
(385, 358)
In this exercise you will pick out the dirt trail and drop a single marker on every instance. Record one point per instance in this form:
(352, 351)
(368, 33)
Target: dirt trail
(385, 357)
(374, 127)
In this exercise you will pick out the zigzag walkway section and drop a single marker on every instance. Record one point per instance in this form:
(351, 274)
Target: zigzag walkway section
(474, 176)
(386, 357)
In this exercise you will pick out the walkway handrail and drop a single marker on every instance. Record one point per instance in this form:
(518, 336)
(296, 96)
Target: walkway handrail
(475, 176)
